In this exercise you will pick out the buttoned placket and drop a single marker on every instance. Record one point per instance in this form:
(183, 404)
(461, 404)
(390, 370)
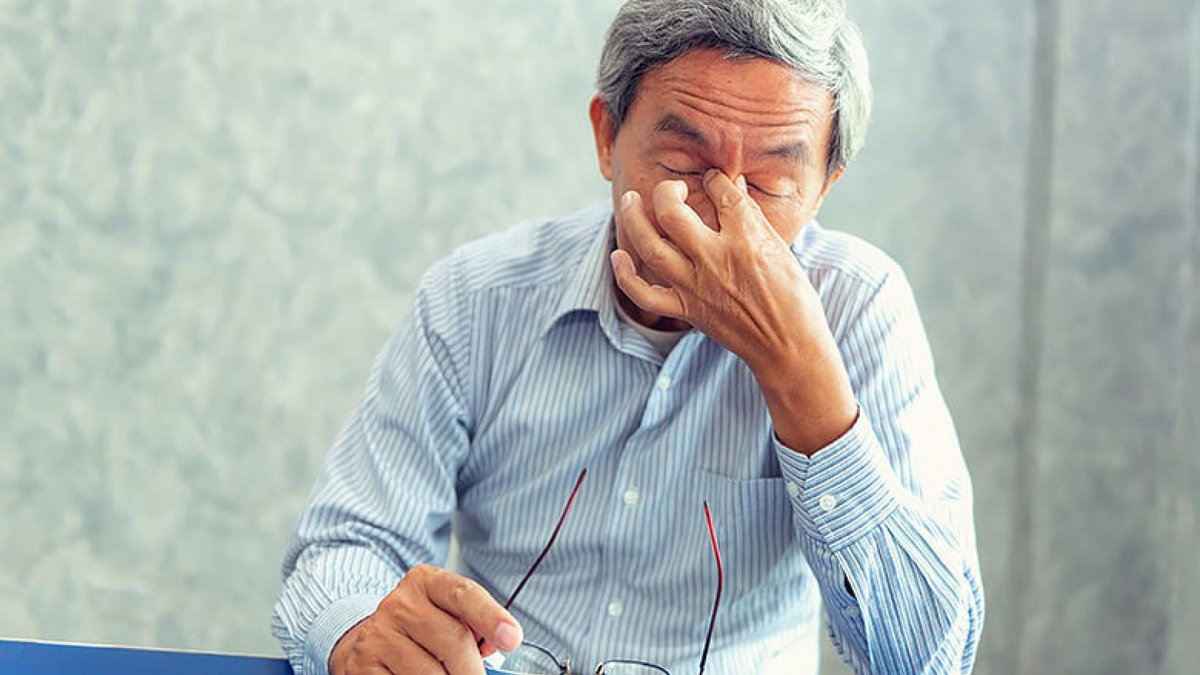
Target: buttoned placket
(630, 494)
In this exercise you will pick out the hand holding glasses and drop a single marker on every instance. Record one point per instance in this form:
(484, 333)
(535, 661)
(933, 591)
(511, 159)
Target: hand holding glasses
(435, 620)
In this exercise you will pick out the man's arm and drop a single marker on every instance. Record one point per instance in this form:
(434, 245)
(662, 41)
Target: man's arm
(885, 511)
(882, 496)
(380, 512)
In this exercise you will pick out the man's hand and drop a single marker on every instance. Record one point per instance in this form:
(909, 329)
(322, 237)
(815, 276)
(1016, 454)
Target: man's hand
(430, 623)
(741, 285)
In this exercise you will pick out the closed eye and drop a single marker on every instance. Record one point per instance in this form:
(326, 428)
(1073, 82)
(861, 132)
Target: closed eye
(772, 195)
(682, 174)
(700, 174)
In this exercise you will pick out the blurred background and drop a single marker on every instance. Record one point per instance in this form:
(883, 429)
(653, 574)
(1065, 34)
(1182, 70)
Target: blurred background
(213, 212)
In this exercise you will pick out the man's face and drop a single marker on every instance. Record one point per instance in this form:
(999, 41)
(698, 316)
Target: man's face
(747, 117)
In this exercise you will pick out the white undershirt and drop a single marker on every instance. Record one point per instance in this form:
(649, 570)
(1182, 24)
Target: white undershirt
(663, 341)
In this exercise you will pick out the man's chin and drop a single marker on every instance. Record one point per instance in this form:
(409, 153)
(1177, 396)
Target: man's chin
(647, 319)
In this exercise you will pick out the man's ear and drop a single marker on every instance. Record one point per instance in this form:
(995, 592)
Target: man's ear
(602, 129)
(833, 178)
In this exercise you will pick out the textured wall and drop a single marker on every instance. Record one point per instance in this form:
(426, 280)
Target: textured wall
(212, 213)
(1106, 465)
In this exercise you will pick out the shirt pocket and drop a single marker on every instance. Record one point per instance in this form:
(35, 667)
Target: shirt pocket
(744, 457)
(753, 520)
(739, 499)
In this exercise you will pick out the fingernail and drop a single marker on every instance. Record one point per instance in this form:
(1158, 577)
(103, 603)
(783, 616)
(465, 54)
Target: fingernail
(741, 181)
(508, 637)
(709, 174)
(616, 261)
(627, 199)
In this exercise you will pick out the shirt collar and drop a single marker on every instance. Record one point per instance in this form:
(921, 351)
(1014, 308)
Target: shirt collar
(589, 285)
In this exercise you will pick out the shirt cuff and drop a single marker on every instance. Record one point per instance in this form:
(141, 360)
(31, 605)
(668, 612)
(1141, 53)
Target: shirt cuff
(331, 624)
(844, 490)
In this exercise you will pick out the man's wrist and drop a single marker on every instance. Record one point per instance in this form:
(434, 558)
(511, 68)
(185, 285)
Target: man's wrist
(342, 647)
(332, 624)
(811, 402)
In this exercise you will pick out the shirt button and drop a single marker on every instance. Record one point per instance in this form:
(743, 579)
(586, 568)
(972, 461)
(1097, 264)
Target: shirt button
(852, 612)
(614, 608)
(793, 489)
(630, 497)
(664, 382)
(828, 502)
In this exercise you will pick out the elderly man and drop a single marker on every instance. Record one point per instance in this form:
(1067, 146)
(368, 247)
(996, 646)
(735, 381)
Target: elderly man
(697, 339)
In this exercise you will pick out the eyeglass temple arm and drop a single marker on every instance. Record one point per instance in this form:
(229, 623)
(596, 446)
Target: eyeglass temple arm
(553, 536)
(546, 550)
(712, 622)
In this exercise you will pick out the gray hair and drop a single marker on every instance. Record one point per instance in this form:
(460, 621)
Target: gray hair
(812, 36)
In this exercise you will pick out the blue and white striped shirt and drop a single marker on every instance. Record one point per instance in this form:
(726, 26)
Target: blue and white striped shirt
(512, 372)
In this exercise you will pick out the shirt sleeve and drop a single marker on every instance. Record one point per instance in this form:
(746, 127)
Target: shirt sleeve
(884, 513)
(358, 534)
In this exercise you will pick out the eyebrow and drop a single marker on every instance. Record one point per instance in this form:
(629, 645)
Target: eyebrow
(676, 126)
(796, 152)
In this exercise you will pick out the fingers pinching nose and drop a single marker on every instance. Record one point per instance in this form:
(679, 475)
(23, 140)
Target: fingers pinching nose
(740, 181)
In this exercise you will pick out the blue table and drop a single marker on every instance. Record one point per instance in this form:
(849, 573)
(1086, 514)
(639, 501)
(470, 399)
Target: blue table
(24, 657)
(20, 657)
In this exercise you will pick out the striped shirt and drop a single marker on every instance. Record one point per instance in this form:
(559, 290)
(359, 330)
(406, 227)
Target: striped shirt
(512, 372)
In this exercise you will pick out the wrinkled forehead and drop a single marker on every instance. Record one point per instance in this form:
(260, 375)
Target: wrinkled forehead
(706, 94)
(749, 82)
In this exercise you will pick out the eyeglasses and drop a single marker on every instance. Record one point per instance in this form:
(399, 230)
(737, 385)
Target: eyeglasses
(544, 658)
